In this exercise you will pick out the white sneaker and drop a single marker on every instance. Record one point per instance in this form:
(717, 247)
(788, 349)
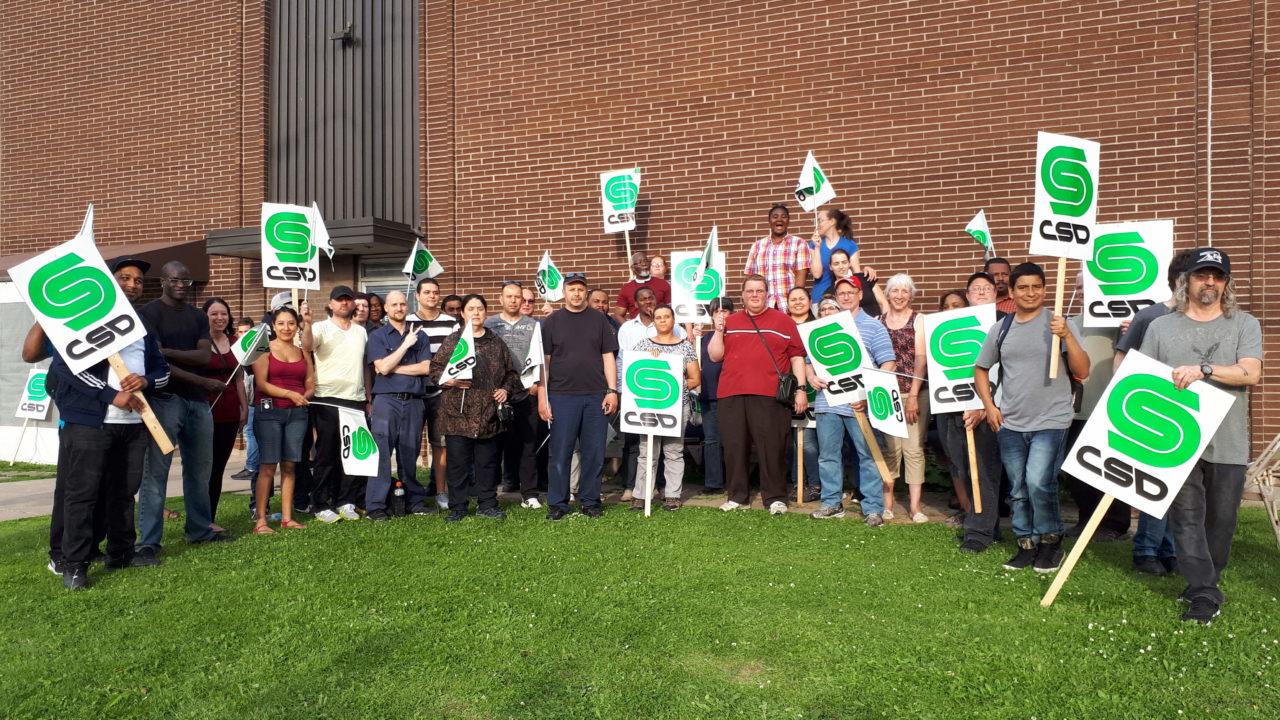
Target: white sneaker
(887, 514)
(328, 516)
(919, 518)
(531, 503)
(730, 505)
(777, 507)
(348, 512)
(442, 499)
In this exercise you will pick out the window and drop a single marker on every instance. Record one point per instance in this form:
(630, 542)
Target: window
(381, 274)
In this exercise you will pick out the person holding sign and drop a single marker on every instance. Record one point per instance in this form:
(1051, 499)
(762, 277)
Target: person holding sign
(1033, 416)
(781, 258)
(516, 330)
(757, 346)
(285, 381)
(228, 407)
(630, 333)
(468, 411)
(833, 232)
(666, 341)
(1208, 337)
(101, 448)
(907, 334)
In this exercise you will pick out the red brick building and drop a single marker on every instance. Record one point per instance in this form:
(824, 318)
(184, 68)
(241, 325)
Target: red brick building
(483, 126)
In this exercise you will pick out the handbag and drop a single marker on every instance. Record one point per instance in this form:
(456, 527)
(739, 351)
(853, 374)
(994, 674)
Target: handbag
(787, 383)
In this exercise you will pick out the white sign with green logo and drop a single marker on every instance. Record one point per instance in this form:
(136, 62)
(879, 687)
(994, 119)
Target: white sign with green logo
(1066, 196)
(652, 394)
(34, 404)
(1146, 434)
(838, 355)
(690, 301)
(885, 406)
(952, 341)
(250, 346)
(463, 358)
(1129, 271)
(978, 229)
(619, 192)
(550, 280)
(421, 264)
(813, 188)
(289, 256)
(77, 301)
(359, 451)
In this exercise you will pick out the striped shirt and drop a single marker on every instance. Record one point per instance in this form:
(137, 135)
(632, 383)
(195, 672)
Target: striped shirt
(777, 262)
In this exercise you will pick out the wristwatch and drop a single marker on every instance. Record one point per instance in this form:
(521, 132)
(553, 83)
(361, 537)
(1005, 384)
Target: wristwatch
(1206, 369)
(613, 391)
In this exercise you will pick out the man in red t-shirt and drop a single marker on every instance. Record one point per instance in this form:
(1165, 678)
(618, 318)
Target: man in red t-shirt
(627, 308)
(750, 416)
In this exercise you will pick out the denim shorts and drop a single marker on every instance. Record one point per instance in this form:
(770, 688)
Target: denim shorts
(279, 432)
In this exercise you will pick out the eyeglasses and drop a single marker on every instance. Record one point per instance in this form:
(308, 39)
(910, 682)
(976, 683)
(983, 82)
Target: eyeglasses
(982, 290)
(512, 282)
(180, 282)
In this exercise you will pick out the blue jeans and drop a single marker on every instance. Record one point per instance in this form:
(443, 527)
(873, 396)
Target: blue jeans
(576, 420)
(250, 444)
(190, 428)
(810, 457)
(832, 429)
(1154, 537)
(712, 463)
(396, 426)
(1032, 460)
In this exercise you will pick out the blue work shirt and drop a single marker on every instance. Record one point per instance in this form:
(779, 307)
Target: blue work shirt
(386, 340)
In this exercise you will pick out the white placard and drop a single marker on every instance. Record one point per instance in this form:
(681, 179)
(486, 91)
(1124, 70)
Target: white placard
(531, 371)
(289, 257)
(885, 406)
(838, 355)
(34, 402)
(1066, 196)
(690, 303)
(1129, 271)
(463, 359)
(953, 339)
(809, 418)
(359, 451)
(813, 188)
(652, 394)
(619, 192)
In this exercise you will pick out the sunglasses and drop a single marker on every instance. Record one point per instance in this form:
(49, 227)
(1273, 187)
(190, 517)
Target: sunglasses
(575, 276)
(512, 282)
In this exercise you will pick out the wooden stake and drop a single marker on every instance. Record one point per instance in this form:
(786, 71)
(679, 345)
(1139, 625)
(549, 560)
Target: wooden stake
(648, 474)
(872, 445)
(627, 235)
(1077, 551)
(799, 466)
(148, 415)
(293, 298)
(18, 444)
(973, 470)
(1054, 344)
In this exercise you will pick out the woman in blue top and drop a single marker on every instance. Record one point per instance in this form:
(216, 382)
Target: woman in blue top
(835, 230)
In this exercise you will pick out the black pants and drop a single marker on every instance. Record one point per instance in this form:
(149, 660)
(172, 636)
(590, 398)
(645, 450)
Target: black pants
(748, 421)
(1203, 518)
(981, 526)
(224, 439)
(486, 454)
(519, 468)
(105, 468)
(332, 487)
(1086, 497)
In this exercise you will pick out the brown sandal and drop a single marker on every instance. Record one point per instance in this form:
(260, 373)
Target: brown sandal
(172, 514)
(293, 525)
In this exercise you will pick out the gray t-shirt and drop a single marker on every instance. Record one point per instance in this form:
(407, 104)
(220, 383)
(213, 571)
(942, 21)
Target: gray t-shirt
(1132, 339)
(1176, 340)
(1029, 400)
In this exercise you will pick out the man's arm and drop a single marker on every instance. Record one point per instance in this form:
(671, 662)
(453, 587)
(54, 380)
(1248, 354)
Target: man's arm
(33, 349)
(199, 356)
(1247, 371)
(1077, 358)
(610, 403)
(982, 383)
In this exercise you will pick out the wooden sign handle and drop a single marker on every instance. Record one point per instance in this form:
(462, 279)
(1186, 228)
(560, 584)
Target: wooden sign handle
(872, 445)
(148, 415)
(1055, 346)
(627, 234)
(799, 466)
(1077, 550)
(648, 474)
(973, 471)
(18, 445)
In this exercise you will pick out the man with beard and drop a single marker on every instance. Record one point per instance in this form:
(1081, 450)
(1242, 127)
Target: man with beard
(999, 268)
(627, 295)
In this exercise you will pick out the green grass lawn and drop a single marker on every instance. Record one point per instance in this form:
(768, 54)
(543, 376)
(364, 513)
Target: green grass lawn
(26, 471)
(691, 614)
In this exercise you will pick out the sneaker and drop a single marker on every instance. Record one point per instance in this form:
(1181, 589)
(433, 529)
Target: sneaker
(887, 514)
(531, 503)
(593, 512)
(492, 513)
(637, 504)
(573, 497)
(219, 538)
(328, 516)
(812, 494)
(919, 518)
(1202, 610)
(377, 515)
(78, 579)
(455, 516)
(348, 512)
(671, 504)
(442, 499)
(1025, 558)
(423, 509)
(828, 511)
(1048, 556)
(777, 507)
(556, 513)
(972, 546)
(244, 474)
(1149, 565)
(1107, 535)
(875, 520)
(57, 567)
(146, 557)
(731, 505)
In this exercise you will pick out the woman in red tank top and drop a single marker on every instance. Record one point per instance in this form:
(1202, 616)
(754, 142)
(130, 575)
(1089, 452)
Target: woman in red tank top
(229, 407)
(285, 380)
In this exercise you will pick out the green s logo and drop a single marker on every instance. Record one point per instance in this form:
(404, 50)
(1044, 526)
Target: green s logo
(549, 278)
(835, 349)
(980, 236)
(421, 261)
(818, 181)
(460, 350)
(954, 345)
(879, 403)
(249, 340)
(622, 191)
(1153, 421)
(362, 444)
(289, 234)
(650, 382)
(1066, 178)
(711, 287)
(65, 289)
(35, 389)
(1121, 265)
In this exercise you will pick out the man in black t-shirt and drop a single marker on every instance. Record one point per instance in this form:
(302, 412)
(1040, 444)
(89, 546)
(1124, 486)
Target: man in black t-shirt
(579, 390)
(183, 410)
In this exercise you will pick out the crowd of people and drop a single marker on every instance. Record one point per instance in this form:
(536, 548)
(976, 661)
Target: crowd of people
(748, 376)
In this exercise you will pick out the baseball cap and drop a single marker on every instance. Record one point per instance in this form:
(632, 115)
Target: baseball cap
(1210, 258)
(575, 277)
(342, 291)
(126, 261)
(282, 299)
(852, 280)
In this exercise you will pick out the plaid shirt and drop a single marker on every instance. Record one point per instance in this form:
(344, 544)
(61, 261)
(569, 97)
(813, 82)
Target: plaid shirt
(777, 262)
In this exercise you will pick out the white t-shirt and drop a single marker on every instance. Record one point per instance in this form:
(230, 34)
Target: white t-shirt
(339, 360)
(135, 358)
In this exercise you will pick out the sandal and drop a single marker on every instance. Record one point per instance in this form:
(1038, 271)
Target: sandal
(293, 525)
(217, 528)
(172, 514)
(263, 530)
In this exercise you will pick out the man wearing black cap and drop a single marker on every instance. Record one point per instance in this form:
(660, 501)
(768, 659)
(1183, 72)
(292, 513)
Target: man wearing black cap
(341, 377)
(580, 390)
(1208, 337)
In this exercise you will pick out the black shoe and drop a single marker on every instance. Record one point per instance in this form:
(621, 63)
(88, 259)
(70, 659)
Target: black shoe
(1107, 535)
(712, 491)
(455, 516)
(1202, 610)
(146, 557)
(556, 513)
(377, 516)
(1048, 556)
(1149, 565)
(97, 556)
(1025, 558)
(220, 538)
(812, 494)
(509, 488)
(57, 567)
(244, 474)
(492, 513)
(593, 512)
(75, 578)
(1075, 530)
(424, 509)
(973, 546)
(1170, 564)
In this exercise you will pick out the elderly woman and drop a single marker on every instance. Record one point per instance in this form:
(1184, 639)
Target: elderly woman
(467, 413)
(905, 325)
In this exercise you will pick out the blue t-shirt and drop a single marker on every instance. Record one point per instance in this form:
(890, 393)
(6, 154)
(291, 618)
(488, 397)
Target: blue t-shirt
(710, 372)
(823, 283)
(384, 341)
